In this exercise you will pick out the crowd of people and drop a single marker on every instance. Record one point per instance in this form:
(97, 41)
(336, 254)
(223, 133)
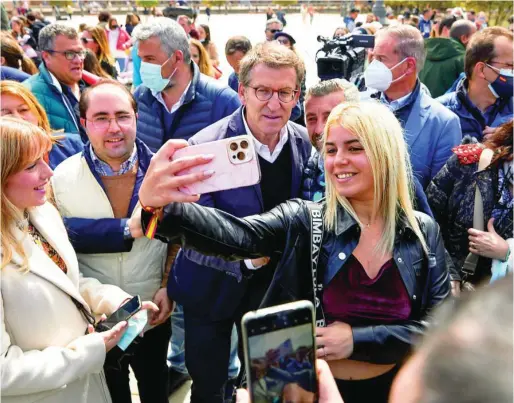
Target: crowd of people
(410, 164)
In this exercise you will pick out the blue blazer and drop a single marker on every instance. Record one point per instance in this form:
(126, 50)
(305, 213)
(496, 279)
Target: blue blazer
(192, 282)
(431, 131)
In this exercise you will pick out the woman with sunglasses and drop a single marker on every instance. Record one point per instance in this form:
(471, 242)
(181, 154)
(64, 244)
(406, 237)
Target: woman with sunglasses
(95, 39)
(381, 264)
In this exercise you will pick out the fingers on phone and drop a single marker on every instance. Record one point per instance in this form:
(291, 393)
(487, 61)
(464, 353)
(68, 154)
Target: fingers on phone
(189, 179)
(189, 162)
(168, 149)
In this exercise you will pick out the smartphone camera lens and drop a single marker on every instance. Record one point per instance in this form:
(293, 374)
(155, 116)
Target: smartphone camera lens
(233, 146)
(244, 144)
(241, 156)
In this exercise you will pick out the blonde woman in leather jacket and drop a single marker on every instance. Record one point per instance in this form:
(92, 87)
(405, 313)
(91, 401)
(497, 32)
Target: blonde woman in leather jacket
(381, 263)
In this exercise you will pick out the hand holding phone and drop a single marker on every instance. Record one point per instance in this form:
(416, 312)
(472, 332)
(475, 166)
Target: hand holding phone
(235, 164)
(279, 346)
(328, 391)
(123, 313)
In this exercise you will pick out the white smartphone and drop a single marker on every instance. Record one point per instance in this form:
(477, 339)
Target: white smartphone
(235, 165)
(280, 351)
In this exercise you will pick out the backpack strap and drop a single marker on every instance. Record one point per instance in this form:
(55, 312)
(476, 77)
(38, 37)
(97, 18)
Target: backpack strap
(316, 238)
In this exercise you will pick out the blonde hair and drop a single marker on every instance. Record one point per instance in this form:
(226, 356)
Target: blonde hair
(21, 144)
(100, 37)
(205, 64)
(381, 136)
(16, 89)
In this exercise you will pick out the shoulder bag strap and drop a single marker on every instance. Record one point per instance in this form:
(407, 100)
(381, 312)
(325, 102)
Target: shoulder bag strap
(470, 264)
(316, 236)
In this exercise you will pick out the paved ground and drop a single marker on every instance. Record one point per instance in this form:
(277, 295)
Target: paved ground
(252, 26)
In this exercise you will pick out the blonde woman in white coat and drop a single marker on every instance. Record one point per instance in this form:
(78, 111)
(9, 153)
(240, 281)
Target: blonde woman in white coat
(50, 352)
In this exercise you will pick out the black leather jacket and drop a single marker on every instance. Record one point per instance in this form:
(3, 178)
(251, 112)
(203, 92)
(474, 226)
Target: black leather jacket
(284, 233)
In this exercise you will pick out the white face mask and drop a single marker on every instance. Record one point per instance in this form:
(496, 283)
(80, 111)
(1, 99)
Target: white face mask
(379, 77)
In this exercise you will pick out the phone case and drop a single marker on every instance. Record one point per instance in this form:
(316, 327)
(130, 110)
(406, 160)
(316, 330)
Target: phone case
(250, 316)
(235, 165)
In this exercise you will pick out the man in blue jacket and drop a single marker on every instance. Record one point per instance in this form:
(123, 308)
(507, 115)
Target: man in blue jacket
(270, 79)
(59, 83)
(175, 101)
(425, 23)
(96, 192)
(483, 100)
(431, 130)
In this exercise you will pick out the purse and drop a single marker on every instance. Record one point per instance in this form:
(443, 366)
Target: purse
(471, 261)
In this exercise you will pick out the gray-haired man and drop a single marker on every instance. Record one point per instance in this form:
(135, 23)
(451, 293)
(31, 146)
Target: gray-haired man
(175, 101)
(58, 84)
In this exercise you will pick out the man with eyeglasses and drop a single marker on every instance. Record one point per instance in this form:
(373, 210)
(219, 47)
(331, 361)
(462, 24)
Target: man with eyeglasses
(59, 82)
(96, 192)
(483, 99)
(269, 87)
(273, 25)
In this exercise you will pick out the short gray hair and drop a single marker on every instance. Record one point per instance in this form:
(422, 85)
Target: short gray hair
(410, 42)
(169, 32)
(48, 34)
(323, 88)
(461, 27)
(274, 21)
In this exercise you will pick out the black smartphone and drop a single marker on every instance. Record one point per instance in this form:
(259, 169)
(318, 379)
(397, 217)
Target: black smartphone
(280, 351)
(124, 312)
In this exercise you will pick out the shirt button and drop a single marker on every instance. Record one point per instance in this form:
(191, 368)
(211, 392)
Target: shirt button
(342, 256)
(400, 260)
(414, 297)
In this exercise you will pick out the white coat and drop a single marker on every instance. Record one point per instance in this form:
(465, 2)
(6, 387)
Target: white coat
(46, 356)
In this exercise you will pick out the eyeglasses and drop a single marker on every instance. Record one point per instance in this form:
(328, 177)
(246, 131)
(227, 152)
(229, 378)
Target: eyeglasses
(69, 54)
(284, 95)
(86, 40)
(103, 123)
(509, 69)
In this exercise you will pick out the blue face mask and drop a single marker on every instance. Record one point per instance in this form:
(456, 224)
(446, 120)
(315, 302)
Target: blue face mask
(502, 87)
(152, 77)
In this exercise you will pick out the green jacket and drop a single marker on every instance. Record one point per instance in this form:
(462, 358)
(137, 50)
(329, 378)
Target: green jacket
(443, 65)
(52, 100)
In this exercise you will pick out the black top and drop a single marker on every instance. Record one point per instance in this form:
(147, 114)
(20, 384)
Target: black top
(276, 178)
(109, 69)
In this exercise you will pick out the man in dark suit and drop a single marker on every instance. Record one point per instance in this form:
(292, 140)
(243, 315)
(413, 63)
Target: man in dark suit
(270, 78)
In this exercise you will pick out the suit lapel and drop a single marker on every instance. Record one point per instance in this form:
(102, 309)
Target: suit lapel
(297, 167)
(42, 265)
(416, 120)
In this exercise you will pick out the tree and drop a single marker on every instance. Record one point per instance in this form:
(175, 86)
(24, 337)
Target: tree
(61, 3)
(147, 3)
(214, 3)
(285, 3)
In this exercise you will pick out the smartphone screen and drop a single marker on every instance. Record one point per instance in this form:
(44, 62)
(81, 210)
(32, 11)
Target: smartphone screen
(124, 312)
(281, 354)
